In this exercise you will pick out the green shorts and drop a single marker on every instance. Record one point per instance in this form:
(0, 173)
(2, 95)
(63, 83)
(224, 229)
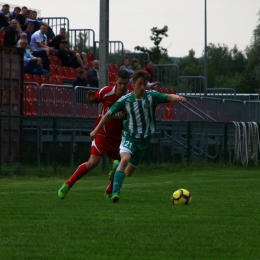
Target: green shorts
(135, 146)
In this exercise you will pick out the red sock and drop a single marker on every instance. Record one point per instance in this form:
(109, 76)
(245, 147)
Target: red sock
(79, 173)
(109, 188)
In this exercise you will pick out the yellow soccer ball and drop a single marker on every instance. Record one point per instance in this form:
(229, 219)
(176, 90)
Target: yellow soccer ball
(181, 197)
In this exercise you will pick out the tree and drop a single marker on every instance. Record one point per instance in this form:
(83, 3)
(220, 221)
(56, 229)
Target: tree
(226, 68)
(253, 56)
(190, 65)
(81, 41)
(157, 53)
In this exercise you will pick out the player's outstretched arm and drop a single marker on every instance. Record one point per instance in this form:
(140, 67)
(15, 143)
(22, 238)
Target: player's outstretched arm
(176, 98)
(91, 96)
(102, 122)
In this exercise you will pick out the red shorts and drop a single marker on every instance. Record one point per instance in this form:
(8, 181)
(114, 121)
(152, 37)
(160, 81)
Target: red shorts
(102, 145)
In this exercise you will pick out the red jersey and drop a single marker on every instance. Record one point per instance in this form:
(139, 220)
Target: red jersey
(113, 128)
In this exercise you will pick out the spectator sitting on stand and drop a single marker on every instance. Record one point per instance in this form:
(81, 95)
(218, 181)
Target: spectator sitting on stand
(92, 76)
(55, 41)
(68, 58)
(23, 17)
(125, 66)
(149, 69)
(135, 65)
(29, 31)
(15, 15)
(81, 78)
(11, 34)
(39, 40)
(32, 18)
(33, 14)
(42, 54)
(4, 16)
(32, 65)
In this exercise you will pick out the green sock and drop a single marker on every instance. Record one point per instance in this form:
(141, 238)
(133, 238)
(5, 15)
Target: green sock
(118, 181)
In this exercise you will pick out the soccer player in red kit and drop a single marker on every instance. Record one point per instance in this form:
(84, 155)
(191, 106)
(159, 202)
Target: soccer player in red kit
(108, 138)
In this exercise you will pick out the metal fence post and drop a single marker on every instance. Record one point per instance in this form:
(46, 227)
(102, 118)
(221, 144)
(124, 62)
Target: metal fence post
(55, 144)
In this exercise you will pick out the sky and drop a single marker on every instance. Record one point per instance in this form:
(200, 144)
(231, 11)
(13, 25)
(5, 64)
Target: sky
(229, 22)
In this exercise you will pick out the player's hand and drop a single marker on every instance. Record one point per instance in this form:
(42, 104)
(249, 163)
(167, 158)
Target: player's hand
(92, 135)
(180, 98)
(91, 96)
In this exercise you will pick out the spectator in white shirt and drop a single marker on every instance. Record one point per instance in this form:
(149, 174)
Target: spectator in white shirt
(39, 40)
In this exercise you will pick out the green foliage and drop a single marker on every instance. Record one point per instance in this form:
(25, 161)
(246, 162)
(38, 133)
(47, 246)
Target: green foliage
(253, 54)
(157, 53)
(226, 68)
(81, 41)
(190, 65)
(221, 222)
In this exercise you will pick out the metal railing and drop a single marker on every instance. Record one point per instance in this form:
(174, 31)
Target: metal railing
(56, 23)
(55, 141)
(82, 40)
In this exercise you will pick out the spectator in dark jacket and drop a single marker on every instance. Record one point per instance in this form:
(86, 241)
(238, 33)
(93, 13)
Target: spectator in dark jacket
(4, 16)
(81, 78)
(11, 34)
(92, 76)
(68, 58)
(55, 41)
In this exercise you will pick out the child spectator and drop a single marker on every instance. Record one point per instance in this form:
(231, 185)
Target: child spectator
(125, 66)
(135, 65)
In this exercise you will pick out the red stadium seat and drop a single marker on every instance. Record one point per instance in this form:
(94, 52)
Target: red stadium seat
(45, 79)
(57, 61)
(73, 73)
(67, 73)
(53, 70)
(27, 78)
(59, 81)
(112, 77)
(112, 68)
(60, 72)
(51, 58)
(52, 80)
(89, 64)
(90, 56)
(117, 68)
(37, 79)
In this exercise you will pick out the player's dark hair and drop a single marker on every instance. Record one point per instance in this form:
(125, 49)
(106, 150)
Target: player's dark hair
(122, 74)
(141, 74)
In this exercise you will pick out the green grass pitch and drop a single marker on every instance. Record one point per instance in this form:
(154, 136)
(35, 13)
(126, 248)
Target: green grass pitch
(222, 222)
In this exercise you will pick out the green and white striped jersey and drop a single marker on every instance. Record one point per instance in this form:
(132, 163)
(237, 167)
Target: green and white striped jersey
(140, 122)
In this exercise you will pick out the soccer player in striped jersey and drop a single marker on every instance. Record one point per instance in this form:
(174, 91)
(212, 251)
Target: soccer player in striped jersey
(108, 137)
(140, 124)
